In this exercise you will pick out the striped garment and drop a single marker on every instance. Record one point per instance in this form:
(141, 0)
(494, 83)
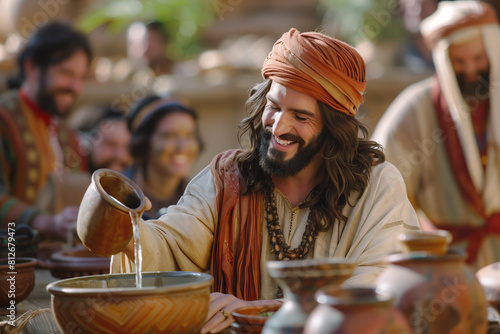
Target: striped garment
(31, 152)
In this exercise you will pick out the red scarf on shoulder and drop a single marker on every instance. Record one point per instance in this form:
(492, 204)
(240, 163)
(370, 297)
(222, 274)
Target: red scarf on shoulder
(237, 242)
(474, 235)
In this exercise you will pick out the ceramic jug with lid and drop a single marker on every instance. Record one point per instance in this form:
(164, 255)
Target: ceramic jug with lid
(434, 287)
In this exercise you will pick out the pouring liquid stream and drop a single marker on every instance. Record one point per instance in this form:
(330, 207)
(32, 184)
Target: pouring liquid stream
(134, 216)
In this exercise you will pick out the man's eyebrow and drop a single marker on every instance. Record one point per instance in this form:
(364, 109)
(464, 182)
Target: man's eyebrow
(299, 111)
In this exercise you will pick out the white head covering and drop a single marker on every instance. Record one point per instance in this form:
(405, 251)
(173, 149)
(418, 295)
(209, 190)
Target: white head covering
(458, 22)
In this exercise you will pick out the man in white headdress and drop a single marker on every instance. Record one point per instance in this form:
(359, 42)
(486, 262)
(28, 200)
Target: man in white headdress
(443, 133)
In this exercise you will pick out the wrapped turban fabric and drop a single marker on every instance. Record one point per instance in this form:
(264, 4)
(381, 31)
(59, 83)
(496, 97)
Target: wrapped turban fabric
(322, 67)
(456, 22)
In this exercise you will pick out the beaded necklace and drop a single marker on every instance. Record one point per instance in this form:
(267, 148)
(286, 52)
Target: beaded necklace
(276, 238)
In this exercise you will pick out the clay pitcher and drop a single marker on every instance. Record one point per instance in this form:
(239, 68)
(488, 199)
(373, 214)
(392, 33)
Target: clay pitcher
(355, 310)
(104, 224)
(434, 288)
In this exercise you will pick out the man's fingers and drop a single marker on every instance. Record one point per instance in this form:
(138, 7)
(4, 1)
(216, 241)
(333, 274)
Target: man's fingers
(216, 303)
(214, 321)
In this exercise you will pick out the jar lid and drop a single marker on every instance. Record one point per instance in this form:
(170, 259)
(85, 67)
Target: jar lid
(434, 242)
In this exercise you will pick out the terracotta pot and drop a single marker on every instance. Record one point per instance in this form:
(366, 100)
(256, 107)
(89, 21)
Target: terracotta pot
(251, 319)
(75, 262)
(104, 224)
(340, 310)
(168, 302)
(16, 283)
(489, 278)
(300, 279)
(437, 293)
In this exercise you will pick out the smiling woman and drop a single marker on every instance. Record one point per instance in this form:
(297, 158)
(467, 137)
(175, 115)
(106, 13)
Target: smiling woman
(165, 143)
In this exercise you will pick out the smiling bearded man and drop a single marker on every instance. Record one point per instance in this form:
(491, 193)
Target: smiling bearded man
(307, 187)
(273, 161)
(443, 133)
(43, 169)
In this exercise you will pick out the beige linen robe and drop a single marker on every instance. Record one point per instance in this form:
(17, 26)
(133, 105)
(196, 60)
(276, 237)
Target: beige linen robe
(414, 142)
(182, 238)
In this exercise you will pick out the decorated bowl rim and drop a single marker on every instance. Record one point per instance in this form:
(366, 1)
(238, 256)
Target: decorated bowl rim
(58, 288)
(239, 316)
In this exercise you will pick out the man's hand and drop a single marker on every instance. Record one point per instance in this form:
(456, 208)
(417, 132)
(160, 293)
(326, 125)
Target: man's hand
(56, 226)
(221, 306)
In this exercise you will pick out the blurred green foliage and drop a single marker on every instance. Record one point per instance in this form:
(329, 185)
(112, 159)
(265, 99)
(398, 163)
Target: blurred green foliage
(182, 19)
(356, 20)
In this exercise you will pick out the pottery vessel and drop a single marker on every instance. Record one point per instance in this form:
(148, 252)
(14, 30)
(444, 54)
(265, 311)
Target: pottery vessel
(26, 240)
(437, 293)
(251, 319)
(168, 302)
(489, 278)
(354, 311)
(16, 283)
(300, 279)
(75, 262)
(104, 224)
(435, 242)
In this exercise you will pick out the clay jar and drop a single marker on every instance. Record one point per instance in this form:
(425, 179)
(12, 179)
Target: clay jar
(437, 293)
(300, 279)
(489, 277)
(16, 283)
(354, 311)
(104, 224)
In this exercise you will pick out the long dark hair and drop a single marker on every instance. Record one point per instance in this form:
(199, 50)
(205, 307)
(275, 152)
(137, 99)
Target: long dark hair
(140, 142)
(348, 158)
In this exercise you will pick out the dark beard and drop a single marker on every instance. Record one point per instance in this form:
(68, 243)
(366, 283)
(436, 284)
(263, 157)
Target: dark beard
(477, 90)
(46, 99)
(274, 164)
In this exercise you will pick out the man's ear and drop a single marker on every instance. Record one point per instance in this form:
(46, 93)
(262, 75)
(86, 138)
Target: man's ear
(31, 71)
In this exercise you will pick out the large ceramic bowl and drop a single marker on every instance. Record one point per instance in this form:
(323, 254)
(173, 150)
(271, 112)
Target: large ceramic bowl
(17, 282)
(168, 302)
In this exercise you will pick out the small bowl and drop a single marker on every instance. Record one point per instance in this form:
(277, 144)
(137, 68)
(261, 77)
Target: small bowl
(16, 283)
(77, 261)
(251, 319)
(168, 302)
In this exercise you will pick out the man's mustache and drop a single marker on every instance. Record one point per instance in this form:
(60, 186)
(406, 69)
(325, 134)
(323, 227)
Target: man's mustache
(286, 136)
(64, 91)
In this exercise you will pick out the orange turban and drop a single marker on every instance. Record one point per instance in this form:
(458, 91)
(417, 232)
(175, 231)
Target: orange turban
(322, 67)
